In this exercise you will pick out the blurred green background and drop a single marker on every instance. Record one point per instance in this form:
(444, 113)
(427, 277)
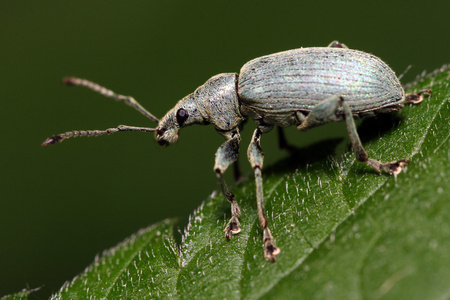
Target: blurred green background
(62, 205)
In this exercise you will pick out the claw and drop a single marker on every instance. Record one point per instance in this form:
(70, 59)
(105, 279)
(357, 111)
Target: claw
(393, 168)
(396, 167)
(232, 228)
(417, 98)
(270, 252)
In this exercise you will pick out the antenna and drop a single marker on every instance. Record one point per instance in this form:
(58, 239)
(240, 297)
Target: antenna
(130, 101)
(110, 94)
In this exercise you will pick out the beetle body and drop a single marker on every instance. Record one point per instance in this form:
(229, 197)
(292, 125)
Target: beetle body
(275, 86)
(304, 87)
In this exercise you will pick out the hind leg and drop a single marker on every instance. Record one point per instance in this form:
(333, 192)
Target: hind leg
(325, 112)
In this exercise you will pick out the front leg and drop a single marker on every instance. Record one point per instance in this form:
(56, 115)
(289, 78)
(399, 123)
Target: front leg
(256, 157)
(226, 155)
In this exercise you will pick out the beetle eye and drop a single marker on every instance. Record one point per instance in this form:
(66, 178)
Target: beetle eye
(182, 116)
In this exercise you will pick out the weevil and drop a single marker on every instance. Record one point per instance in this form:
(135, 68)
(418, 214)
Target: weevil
(304, 87)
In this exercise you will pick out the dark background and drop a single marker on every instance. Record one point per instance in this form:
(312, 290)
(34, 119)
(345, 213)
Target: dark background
(62, 205)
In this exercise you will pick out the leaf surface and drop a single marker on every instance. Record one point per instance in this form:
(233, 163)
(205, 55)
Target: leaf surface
(345, 232)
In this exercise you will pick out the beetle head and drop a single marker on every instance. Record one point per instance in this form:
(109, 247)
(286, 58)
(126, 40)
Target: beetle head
(215, 102)
(184, 113)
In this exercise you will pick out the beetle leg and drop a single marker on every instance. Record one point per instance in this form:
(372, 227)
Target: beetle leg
(361, 155)
(226, 155)
(282, 141)
(325, 112)
(336, 44)
(256, 157)
(322, 113)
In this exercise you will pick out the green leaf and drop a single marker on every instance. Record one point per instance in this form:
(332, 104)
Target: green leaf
(23, 294)
(345, 232)
(146, 264)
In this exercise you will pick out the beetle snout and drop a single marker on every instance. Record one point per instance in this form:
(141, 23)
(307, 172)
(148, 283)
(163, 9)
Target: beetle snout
(160, 131)
(165, 137)
(163, 143)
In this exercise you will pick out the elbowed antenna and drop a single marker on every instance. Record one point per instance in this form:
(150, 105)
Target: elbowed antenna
(60, 137)
(108, 93)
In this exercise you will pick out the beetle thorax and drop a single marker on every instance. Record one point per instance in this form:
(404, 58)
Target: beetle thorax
(218, 102)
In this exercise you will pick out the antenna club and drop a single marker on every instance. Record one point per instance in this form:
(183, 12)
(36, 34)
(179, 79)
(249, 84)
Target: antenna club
(70, 81)
(52, 140)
